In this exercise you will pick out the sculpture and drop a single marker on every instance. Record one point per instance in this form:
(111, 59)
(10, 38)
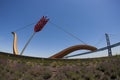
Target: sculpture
(68, 50)
(15, 49)
(58, 55)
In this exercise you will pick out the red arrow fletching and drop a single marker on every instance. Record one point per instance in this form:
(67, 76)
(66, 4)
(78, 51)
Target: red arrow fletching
(39, 26)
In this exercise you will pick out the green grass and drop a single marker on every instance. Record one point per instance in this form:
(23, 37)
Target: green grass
(31, 68)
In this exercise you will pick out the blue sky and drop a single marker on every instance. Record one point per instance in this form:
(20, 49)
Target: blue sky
(87, 19)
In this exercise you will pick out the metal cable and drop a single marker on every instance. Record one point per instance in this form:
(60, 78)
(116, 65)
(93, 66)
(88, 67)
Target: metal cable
(26, 26)
(72, 35)
(99, 42)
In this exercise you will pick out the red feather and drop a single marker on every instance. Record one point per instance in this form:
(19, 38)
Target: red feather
(39, 26)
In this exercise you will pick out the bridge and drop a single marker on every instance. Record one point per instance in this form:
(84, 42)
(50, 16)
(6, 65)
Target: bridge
(101, 49)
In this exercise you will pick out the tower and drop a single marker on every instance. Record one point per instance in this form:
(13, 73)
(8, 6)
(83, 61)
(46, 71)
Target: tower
(108, 45)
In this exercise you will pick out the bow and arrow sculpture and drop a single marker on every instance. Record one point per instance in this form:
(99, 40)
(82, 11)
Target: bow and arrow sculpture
(38, 27)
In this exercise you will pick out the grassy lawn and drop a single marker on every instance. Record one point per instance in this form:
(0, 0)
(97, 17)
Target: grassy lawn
(31, 68)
